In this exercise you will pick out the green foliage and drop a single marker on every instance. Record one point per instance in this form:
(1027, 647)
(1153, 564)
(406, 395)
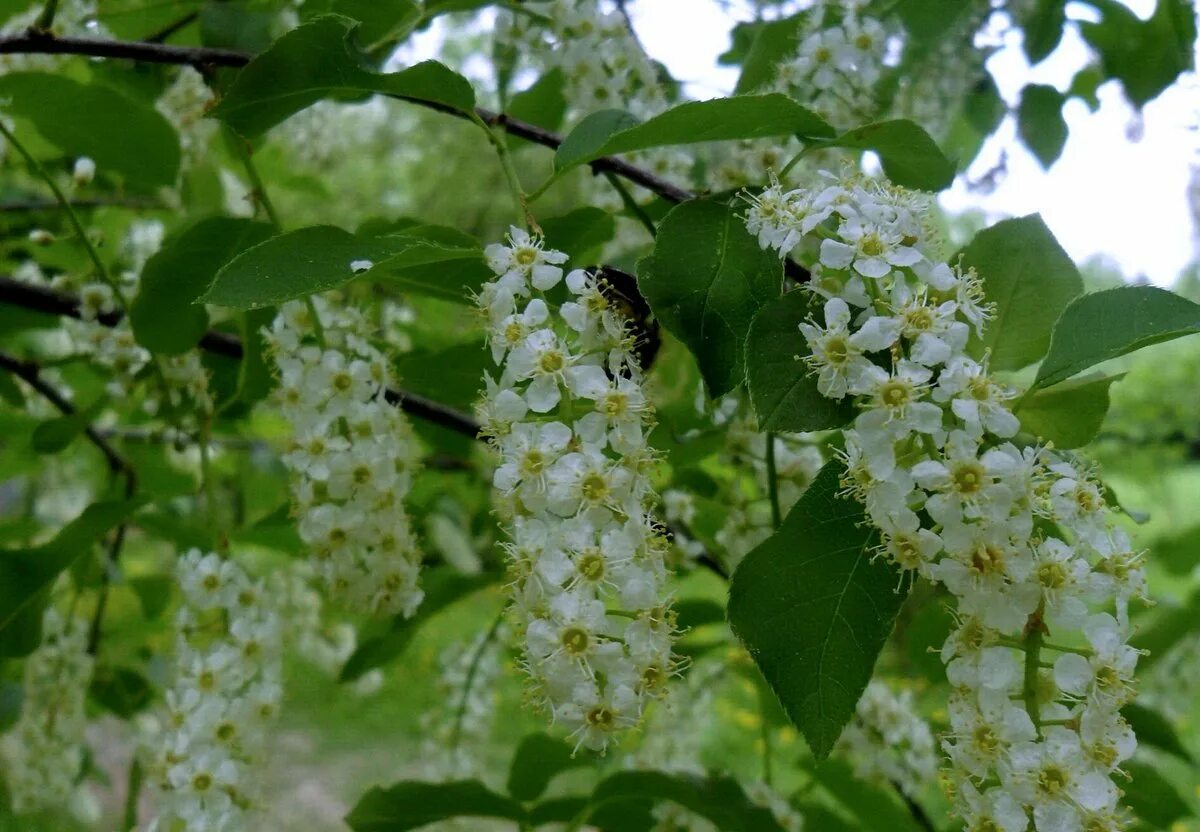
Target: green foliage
(1104, 325)
(319, 60)
(1145, 56)
(124, 136)
(705, 281)
(719, 800)
(544, 103)
(772, 42)
(874, 809)
(1043, 27)
(54, 435)
(165, 316)
(1068, 414)
(538, 760)
(121, 690)
(1040, 122)
(411, 805)
(1155, 730)
(1030, 279)
(722, 119)
(814, 606)
(909, 156)
(1151, 796)
(782, 389)
(381, 21)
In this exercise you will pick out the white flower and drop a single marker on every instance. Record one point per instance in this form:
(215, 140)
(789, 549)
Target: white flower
(871, 248)
(524, 257)
(976, 398)
(837, 355)
(84, 171)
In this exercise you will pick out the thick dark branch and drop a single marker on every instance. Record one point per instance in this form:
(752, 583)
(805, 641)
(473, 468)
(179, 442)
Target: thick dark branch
(17, 293)
(44, 43)
(19, 205)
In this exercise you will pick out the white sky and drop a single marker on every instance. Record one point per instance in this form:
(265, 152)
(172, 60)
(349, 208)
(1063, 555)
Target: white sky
(1106, 194)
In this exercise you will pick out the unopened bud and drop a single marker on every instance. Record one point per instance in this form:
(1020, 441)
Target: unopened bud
(85, 171)
(41, 237)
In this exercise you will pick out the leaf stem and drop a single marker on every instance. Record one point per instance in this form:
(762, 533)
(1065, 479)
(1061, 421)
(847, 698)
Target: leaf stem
(258, 190)
(469, 682)
(510, 173)
(46, 19)
(1035, 631)
(133, 790)
(631, 204)
(793, 161)
(773, 482)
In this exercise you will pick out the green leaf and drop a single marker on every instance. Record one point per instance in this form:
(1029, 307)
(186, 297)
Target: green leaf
(721, 119)
(56, 434)
(1169, 623)
(1112, 323)
(1040, 122)
(705, 281)
(1043, 27)
(1155, 730)
(256, 377)
(1030, 279)
(1146, 56)
(1068, 414)
(875, 809)
(411, 804)
(782, 390)
(122, 135)
(544, 103)
(718, 799)
(774, 42)
(319, 60)
(434, 260)
(153, 592)
(381, 20)
(1178, 552)
(10, 393)
(538, 759)
(164, 315)
(909, 156)
(580, 233)
(814, 606)
(122, 690)
(1152, 798)
(442, 588)
(928, 20)
(26, 574)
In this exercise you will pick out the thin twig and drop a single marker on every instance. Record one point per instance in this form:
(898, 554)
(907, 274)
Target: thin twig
(171, 28)
(20, 205)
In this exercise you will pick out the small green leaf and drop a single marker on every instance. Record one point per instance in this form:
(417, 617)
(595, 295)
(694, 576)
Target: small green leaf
(381, 20)
(319, 60)
(1112, 323)
(10, 392)
(121, 134)
(1155, 730)
(1041, 124)
(1068, 414)
(164, 315)
(774, 41)
(26, 574)
(412, 804)
(544, 103)
(538, 759)
(442, 588)
(1146, 56)
(814, 606)
(782, 390)
(580, 233)
(153, 592)
(929, 20)
(122, 690)
(1178, 552)
(56, 434)
(718, 799)
(705, 281)
(875, 809)
(721, 119)
(909, 156)
(1030, 279)
(434, 260)
(1166, 626)
(1043, 27)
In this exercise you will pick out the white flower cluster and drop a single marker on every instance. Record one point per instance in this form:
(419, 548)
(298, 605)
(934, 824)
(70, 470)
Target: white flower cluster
(458, 728)
(838, 63)
(185, 103)
(888, 740)
(225, 695)
(73, 18)
(1019, 534)
(568, 418)
(43, 752)
(352, 456)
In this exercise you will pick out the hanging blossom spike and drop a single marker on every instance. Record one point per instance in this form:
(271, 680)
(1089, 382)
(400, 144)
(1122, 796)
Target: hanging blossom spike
(568, 419)
(352, 457)
(1039, 659)
(224, 697)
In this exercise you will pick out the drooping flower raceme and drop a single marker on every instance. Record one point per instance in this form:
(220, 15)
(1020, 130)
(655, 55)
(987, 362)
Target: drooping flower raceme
(43, 752)
(568, 417)
(352, 457)
(224, 696)
(1019, 533)
(889, 741)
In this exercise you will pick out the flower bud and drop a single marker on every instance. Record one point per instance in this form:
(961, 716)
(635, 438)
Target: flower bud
(85, 171)
(41, 237)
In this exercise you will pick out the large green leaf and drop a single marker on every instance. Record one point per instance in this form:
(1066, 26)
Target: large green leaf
(705, 281)
(381, 20)
(814, 606)
(1030, 279)
(164, 315)
(413, 804)
(1155, 801)
(719, 800)
(1112, 323)
(319, 60)
(1068, 414)
(1040, 122)
(721, 119)
(25, 574)
(538, 759)
(782, 390)
(875, 808)
(1146, 56)
(1155, 730)
(1178, 552)
(909, 156)
(442, 588)
(121, 134)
